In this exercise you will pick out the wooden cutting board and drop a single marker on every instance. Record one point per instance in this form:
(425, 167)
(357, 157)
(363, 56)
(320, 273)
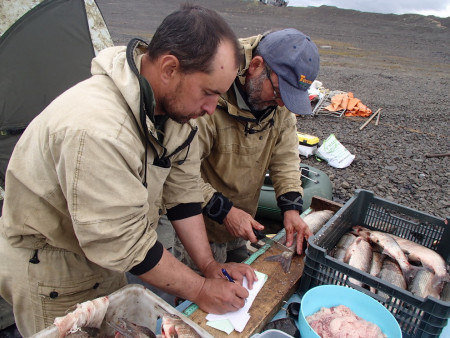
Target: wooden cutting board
(278, 288)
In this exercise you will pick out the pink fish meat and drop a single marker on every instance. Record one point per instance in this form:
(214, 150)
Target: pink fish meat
(341, 321)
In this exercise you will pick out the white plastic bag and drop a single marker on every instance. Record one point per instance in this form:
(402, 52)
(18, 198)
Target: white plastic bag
(335, 153)
(306, 151)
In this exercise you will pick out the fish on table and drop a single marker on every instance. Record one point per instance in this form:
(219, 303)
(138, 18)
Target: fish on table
(285, 258)
(315, 221)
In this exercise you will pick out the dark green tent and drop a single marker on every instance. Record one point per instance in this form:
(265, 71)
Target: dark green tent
(45, 48)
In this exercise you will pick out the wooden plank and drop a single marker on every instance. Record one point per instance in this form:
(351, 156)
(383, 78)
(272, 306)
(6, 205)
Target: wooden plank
(320, 203)
(278, 288)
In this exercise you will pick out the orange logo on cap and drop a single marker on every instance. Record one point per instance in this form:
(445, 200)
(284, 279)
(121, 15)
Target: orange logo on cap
(304, 79)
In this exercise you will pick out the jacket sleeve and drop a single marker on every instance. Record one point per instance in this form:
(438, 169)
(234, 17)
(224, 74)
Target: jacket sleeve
(101, 179)
(206, 136)
(284, 164)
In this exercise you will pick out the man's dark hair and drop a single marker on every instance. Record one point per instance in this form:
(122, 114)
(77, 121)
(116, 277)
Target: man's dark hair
(193, 34)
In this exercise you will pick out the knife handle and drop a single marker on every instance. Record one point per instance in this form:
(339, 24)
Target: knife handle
(259, 234)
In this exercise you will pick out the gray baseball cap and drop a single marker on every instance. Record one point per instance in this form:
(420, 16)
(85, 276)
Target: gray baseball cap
(295, 59)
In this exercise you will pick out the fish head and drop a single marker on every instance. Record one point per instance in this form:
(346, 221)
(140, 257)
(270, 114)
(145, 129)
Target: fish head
(125, 328)
(360, 231)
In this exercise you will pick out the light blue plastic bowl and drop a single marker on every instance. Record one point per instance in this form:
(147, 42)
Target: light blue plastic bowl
(361, 304)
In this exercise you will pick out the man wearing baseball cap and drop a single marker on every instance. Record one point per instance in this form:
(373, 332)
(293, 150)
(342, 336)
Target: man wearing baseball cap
(252, 131)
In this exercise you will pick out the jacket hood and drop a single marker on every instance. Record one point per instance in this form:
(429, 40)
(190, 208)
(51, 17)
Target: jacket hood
(248, 45)
(112, 62)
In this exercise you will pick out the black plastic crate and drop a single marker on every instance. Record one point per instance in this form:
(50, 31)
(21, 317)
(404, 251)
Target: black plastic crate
(417, 317)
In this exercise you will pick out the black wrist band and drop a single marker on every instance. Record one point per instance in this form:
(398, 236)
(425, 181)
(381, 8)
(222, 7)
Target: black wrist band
(218, 207)
(286, 202)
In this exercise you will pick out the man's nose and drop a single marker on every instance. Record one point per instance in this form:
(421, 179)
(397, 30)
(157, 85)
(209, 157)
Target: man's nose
(210, 104)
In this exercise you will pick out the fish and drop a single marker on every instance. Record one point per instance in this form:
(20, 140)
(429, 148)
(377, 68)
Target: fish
(285, 258)
(342, 245)
(376, 265)
(445, 294)
(430, 259)
(173, 326)
(346, 240)
(392, 273)
(422, 285)
(390, 248)
(127, 329)
(315, 221)
(359, 255)
(338, 253)
(84, 332)
(86, 314)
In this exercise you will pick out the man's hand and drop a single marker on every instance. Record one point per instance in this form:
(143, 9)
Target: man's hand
(236, 270)
(294, 223)
(220, 296)
(240, 224)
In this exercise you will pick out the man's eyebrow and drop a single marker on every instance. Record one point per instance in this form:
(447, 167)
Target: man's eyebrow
(215, 91)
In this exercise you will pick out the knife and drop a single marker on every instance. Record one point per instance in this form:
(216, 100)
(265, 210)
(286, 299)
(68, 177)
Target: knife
(262, 236)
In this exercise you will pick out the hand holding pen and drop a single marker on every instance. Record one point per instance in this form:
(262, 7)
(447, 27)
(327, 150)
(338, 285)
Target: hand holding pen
(227, 276)
(230, 279)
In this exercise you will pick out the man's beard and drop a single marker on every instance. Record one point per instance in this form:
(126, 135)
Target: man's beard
(254, 87)
(171, 107)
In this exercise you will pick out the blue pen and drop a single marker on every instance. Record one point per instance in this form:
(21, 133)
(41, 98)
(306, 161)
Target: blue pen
(225, 273)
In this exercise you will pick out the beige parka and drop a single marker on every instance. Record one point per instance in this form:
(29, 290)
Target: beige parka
(236, 159)
(75, 178)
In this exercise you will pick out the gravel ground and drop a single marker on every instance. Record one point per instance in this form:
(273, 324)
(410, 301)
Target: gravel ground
(400, 63)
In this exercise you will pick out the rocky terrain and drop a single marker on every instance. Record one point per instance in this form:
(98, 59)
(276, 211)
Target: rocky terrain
(400, 63)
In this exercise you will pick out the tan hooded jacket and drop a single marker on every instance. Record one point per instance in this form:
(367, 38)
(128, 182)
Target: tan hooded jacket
(234, 162)
(75, 179)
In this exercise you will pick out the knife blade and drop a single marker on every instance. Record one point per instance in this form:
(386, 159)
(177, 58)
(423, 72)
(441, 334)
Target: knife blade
(262, 236)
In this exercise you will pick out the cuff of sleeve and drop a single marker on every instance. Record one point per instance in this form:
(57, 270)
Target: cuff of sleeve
(218, 207)
(184, 210)
(290, 201)
(151, 259)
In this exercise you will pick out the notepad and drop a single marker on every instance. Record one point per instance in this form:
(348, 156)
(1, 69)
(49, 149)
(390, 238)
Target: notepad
(238, 319)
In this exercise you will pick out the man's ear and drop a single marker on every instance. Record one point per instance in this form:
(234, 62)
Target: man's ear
(169, 66)
(256, 65)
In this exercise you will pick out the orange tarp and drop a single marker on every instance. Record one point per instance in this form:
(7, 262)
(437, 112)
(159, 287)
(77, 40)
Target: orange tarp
(351, 104)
